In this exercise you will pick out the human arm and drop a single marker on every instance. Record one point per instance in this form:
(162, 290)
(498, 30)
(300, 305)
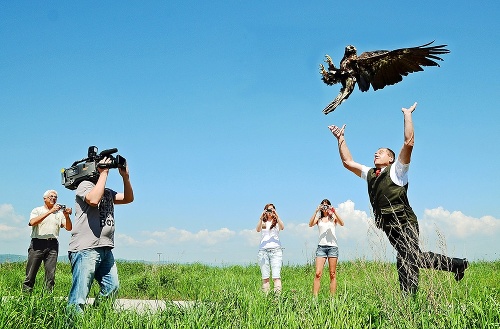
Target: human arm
(281, 225)
(345, 154)
(128, 193)
(409, 135)
(68, 225)
(259, 224)
(94, 196)
(314, 220)
(338, 220)
(37, 219)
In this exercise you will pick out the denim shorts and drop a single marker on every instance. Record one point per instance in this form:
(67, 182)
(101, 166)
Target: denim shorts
(270, 260)
(327, 252)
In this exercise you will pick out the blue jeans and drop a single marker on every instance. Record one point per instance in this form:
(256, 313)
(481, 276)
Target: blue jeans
(270, 259)
(90, 264)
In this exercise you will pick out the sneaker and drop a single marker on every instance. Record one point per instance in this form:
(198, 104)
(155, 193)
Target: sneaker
(459, 275)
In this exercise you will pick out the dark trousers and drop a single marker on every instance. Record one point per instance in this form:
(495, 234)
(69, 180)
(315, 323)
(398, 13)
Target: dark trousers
(45, 251)
(404, 238)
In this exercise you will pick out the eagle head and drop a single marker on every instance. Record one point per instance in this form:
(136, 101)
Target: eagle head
(350, 50)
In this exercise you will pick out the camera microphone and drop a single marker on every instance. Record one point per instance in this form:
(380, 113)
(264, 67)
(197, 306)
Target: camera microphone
(108, 151)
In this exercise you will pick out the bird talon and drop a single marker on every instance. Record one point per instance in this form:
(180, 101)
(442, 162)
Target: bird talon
(322, 70)
(329, 61)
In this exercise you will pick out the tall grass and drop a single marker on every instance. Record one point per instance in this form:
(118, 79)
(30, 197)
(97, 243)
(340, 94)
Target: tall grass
(368, 296)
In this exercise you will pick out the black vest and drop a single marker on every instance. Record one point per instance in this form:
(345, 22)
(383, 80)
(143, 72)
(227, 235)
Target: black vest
(389, 201)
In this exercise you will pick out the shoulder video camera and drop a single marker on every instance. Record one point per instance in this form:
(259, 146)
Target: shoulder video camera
(86, 169)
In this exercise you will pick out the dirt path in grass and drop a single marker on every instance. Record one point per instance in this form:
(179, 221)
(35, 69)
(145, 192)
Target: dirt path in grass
(143, 305)
(138, 305)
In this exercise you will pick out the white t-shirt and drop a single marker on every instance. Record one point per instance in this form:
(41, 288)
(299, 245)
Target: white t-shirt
(399, 172)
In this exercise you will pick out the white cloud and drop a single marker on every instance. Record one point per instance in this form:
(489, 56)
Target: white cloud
(126, 240)
(203, 237)
(457, 234)
(251, 237)
(356, 222)
(12, 225)
(8, 215)
(9, 232)
(456, 224)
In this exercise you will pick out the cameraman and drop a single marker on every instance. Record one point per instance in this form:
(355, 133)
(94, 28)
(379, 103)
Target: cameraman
(92, 239)
(45, 222)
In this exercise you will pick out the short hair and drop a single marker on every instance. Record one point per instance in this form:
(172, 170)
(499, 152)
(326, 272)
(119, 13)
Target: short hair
(46, 194)
(326, 201)
(392, 153)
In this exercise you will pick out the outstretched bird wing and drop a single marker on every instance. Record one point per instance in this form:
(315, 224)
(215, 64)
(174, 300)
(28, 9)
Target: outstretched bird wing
(382, 67)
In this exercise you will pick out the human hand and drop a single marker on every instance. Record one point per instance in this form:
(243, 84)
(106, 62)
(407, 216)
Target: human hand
(124, 172)
(266, 213)
(68, 211)
(330, 211)
(410, 109)
(55, 208)
(103, 165)
(336, 131)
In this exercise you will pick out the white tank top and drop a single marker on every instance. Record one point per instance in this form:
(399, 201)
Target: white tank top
(270, 237)
(327, 235)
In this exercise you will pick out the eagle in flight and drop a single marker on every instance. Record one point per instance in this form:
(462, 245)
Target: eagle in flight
(379, 68)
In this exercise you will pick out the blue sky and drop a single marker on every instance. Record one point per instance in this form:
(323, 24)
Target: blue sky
(217, 107)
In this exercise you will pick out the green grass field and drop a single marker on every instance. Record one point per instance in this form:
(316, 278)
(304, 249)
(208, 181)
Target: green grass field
(229, 297)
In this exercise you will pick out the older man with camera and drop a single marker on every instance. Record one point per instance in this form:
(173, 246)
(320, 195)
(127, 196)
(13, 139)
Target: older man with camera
(45, 222)
(92, 239)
